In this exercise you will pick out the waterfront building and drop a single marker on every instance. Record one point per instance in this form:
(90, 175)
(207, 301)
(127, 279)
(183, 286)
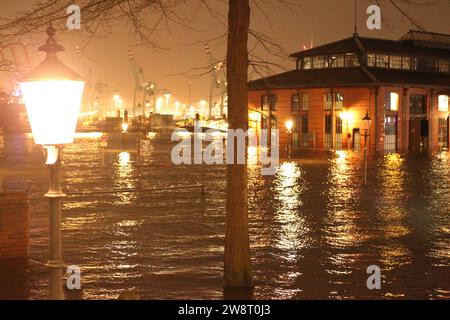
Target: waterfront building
(404, 85)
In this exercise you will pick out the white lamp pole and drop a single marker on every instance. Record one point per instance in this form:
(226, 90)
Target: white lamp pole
(52, 94)
(367, 122)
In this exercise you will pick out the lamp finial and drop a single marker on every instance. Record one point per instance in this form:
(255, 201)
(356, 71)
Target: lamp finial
(51, 47)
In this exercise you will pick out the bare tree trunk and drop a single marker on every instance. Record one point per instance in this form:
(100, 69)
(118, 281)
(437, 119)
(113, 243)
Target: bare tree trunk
(237, 247)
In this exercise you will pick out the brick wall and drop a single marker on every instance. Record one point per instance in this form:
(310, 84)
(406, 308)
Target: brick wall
(14, 225)
(357, 101)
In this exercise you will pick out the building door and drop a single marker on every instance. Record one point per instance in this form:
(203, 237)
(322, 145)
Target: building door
(414, 135)
(328, 143)
(443, 133)
(390, 133)
(418, 123)
(339, 130)
(304, 130)
(356, 139)
(418, 135)
(296, 135)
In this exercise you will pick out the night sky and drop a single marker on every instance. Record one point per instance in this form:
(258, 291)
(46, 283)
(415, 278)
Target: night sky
(327, 20)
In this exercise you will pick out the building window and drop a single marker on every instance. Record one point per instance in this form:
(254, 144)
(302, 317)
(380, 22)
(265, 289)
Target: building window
(390, 133)
(339, 101)
(339, 125)
(444, 65)
(443, 133)
(304, 130)
(273, 102)
(391, 101)
(351, 60)
(426, 64)
(265, 102)
(417, 104)
(307, 63)
(372, 60)
(269, 100)
(295, 102)
(382, 61)
(328, 124)
(328, 101)
(406, 63)
(318, 62)
(305, 101)
(443, 103)
(395, 62)
(337, 61)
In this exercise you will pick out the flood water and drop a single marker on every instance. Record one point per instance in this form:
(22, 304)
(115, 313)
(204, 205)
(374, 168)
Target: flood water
(314, 227)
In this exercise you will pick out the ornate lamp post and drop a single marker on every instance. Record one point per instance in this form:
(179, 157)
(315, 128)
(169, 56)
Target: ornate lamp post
(52, 94)
(367, 123)
(289, 126)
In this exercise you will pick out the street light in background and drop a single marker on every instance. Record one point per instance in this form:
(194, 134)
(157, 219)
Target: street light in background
(367, 124)
(289, 126)
(167, 95)
(52, 94)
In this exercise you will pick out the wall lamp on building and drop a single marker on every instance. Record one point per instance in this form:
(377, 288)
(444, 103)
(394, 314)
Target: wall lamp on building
(289, 126)
(52, 94)
(367, 124)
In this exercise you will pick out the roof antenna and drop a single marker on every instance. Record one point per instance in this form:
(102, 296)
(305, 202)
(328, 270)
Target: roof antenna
(356, 19)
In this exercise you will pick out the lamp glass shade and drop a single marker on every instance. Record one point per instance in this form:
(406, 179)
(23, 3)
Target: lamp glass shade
(289, 125)
(367, 122)
(52, 107)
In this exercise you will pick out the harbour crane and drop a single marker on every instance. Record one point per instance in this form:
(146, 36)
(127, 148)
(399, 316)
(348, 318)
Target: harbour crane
(218, 82)
(140, 84)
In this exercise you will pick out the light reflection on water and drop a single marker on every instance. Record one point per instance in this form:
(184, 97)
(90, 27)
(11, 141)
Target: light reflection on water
(314, 227)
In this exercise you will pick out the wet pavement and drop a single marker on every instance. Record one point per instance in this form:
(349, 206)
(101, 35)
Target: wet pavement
(314, 227)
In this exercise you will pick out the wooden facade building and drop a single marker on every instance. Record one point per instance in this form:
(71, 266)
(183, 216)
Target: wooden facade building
(404, 85)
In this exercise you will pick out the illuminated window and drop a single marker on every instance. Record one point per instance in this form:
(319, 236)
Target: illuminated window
(328, 101)
(305, 102)
(307, 63)
(444, 65)
(318, 62)
(336, 61)
(443, 103)
(339, 101)
(372, 60)
(395, 62)
(351, 60)
(443, 133)
(295, 102)
(391, 101)
(382, 61)
(406, 63)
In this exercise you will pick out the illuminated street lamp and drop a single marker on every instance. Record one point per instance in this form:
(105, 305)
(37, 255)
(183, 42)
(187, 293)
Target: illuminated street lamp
(52, 94)
(367, 123)
(167, 95)
(289, 125)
